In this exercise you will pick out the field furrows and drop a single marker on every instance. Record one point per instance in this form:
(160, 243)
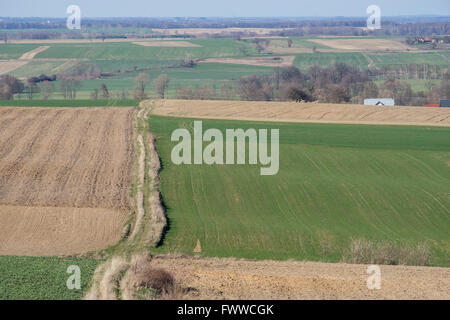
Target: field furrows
(303, 112)
(50, 231)
(66, 157)
(64, 179)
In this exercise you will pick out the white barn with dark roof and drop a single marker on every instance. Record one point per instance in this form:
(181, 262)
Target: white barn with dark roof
(379, 102)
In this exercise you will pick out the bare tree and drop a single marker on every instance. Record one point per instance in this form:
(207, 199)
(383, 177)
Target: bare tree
(9, 86)
(142, 79)
(105, 92)
(94, 94)
(69, 88)
(31, 89)
(243, 50)
(47, 89)
(289, 42)
(161, 84)
(124, 94)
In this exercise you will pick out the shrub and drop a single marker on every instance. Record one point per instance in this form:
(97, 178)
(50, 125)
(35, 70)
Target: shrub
(368, 252)
(157, 279)
(295, 93)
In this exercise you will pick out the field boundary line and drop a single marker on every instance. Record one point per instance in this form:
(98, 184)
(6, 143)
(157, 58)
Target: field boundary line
(113, 279)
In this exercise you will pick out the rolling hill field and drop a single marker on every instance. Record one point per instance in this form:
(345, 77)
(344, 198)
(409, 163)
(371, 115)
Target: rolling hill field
(336, 183)
(125, 58)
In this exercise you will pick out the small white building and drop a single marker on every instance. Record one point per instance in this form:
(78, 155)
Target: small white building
(379, 102)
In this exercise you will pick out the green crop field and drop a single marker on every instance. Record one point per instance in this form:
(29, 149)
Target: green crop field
(202, 73)
(305, 60)
(416, 84)
(39, 278)
(36, 68)
(63, 58)
(130, 51)
(8, 51)
(400, 58)
(335, 182)
(298, 42)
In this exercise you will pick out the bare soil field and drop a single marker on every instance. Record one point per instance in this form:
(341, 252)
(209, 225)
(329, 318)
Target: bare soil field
(7, 66)
(303, 112)
(363, 44)
(282, 61)
(282, 50)
(226, 278)
(166, 44)
(66, 158)
(44, 231)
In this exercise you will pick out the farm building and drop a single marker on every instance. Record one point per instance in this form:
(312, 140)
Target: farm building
(379, 102)
(445, 103)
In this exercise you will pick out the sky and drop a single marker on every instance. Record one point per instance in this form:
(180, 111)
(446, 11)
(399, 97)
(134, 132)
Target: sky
(222, 8)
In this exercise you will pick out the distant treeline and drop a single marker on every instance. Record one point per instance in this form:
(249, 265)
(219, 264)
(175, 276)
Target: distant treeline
(338, 83)
(45, 28)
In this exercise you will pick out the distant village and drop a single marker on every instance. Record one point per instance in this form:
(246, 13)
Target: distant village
(428, 40)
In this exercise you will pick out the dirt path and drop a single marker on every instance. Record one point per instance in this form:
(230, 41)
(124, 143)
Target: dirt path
(112, 279)
(215, 278)
(302, 112)
(7, 66)
(371, 62)
(31, 54)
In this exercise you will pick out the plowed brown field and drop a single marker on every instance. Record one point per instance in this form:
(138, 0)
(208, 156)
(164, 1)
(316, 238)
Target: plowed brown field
(302, 112)
(65, 158)
(43, 231)
(226, 278)
(363, 44)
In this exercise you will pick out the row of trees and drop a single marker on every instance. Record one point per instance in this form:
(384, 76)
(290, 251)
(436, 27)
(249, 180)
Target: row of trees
(68, 87)
(160, 85)
(339, 83)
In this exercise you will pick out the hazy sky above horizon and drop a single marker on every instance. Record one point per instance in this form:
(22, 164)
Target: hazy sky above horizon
(223, 8)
